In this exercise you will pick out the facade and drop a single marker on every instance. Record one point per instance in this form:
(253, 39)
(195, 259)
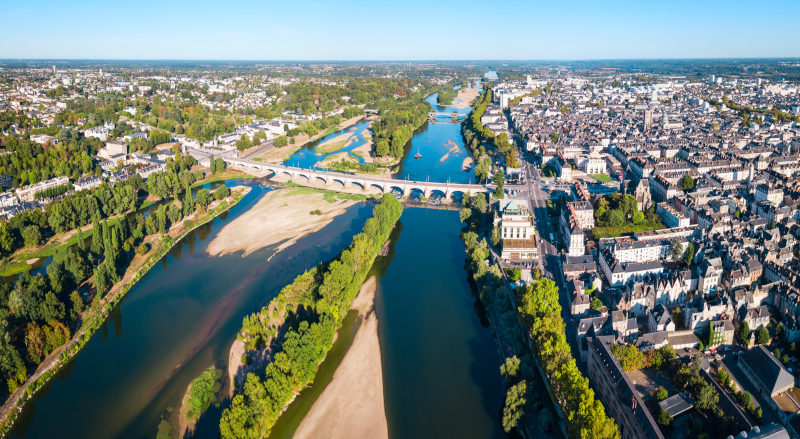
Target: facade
(87, 183)
(671, 217)
(28, 193)
(517, 232)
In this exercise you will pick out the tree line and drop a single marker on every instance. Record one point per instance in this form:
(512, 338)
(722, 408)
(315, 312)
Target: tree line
(38, 313)
(324, 297)
(540, 311)
(104, 201)
(476, 136)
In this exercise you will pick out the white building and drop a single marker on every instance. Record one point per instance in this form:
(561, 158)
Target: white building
(28, 193)
(515, 221)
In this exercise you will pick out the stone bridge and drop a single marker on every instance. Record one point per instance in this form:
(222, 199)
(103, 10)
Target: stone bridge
(385, 185)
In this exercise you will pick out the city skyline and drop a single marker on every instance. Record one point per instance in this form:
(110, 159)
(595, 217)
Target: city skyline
(413, 31)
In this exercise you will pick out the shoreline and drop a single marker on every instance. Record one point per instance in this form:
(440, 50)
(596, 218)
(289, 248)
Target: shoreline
(66, 352)
(352, 404)
(278, 155)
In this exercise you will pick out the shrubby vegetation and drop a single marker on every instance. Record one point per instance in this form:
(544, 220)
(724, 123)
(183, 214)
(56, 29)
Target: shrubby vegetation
(617, 214)
(202, 392)
(313, 306)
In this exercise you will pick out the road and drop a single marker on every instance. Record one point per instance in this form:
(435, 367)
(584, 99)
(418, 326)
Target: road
(549, 256)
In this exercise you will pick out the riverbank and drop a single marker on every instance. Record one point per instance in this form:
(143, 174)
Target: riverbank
(281, 154)
(98, 313)
(352, 405)
(281, 217)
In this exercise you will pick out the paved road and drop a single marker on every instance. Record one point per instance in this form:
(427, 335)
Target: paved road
(550, 259)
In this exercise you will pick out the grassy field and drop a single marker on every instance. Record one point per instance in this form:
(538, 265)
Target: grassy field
(612, 232)
(331, 147)
(605, 178)
(227, 174)
(330, 196)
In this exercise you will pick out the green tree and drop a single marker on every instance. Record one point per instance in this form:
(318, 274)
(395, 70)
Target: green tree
(762, 335)
(688, 255)
(514, 408)
(465, 214)
(664, 419)
(661, 393)
(220, 164)
(495, 238)
(510, 368)
(629, 356)
(212, 165)
(686, 184)
(222, 192)
(280, 142)
(31, 235)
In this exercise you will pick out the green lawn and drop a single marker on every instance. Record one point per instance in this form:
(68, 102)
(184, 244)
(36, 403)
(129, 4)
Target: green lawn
(605, 178)
(331, 147)
(612, 232)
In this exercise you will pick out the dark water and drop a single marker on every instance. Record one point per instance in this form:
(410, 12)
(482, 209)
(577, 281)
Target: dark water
(440, 365)
(178, 320)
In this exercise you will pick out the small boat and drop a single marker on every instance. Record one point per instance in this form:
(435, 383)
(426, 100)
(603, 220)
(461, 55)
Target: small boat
(417, 155)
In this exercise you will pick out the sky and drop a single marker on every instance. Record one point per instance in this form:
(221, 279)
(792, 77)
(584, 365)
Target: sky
(398, 30)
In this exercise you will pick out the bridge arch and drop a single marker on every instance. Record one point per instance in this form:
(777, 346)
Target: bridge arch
(416, 193)
(396, 188)
(315, 177)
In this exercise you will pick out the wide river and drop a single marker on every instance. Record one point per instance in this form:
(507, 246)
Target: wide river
(440, 364)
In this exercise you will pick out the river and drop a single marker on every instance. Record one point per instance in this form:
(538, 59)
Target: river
(440, 144)
(440, 364)
(178, 320)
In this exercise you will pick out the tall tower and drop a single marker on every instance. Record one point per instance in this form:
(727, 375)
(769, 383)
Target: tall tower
(648, 119)
(54, 69)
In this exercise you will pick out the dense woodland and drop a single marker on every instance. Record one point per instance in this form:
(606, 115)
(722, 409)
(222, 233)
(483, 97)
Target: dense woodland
(395, 126)
(446, 96)
(39, 312)
(317, 301)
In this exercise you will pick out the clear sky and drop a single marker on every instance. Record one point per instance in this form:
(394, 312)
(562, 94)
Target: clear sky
(404, 30)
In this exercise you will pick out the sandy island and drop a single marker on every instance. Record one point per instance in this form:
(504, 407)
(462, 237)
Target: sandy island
(352, 405)
(334, 144)
(281, 154)
(467, 164)
(281, 216)
(466, 96)
(364, 151)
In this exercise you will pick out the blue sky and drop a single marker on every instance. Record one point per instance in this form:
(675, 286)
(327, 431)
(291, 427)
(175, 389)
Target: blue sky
(407, 30)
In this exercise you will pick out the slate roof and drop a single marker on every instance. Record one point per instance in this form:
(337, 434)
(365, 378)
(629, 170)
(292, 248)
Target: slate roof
(770, 373)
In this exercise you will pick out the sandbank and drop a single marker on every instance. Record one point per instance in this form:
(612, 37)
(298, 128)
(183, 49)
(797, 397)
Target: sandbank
(352, 405)
(465, 97)
(281, 216)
